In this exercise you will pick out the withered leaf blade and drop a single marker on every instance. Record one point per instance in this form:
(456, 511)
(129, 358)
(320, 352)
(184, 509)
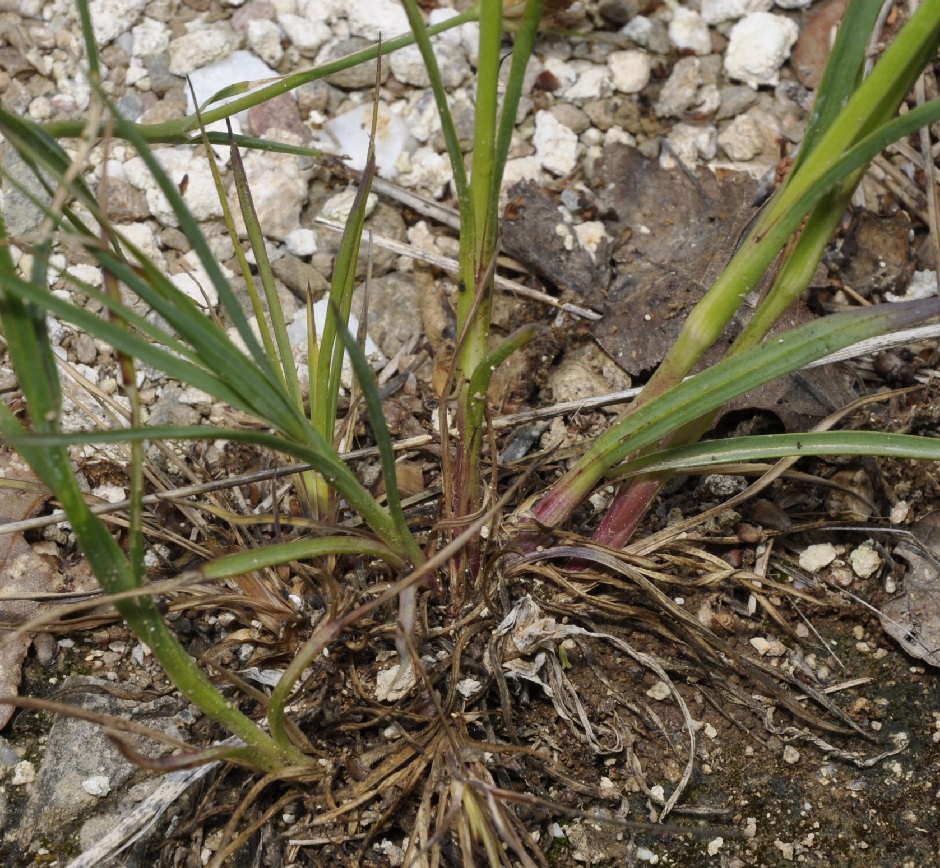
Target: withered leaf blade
(678, 229)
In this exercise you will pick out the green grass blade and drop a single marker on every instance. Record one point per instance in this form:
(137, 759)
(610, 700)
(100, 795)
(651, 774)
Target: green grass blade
(758, 448)
(842, 73)
(383, 441)
(325, 396)
(190, 227)
(275, 313)
(275, 554)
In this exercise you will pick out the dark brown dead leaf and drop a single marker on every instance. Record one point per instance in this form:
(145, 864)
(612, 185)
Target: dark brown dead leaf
(878, 254)
(913, 617)
(678, 229)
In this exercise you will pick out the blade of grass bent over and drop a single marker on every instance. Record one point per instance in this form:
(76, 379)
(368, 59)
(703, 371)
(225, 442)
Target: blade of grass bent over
(740, 449)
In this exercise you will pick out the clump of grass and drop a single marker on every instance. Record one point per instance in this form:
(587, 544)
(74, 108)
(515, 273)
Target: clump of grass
(854, 119)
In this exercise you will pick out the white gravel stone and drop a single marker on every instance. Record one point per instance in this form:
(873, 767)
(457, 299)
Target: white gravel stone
(692, 143)
(565, 73)
(794, 4)
(301, 242)
(659, 691)
(791, 755)
(99, 785)
(201, 47)
(111, 18)
(521, 169)
(638, 30)
(24, 772)
(197, 286)
(390, 687)
(865, 560)
(593, 83)
(923, 285)
(278, 185)
(426, 171)
(23, 8)
(150, 37)
(264, 39)
(201, 196)
(408, 67)
(555, 145)
(328, 11)
(679, 91)
(718, 11)
(307, 35)
(143, 237)
(629, 70)
(757, 47)
(689, 32)
(350, 133)
(238, 66)
(590, 235)
(815, 557)
(337, 207)
(374, 18)
(768, 647)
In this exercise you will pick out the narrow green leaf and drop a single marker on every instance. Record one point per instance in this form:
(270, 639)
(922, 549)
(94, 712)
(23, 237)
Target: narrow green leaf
(758, 448)
(274, 554)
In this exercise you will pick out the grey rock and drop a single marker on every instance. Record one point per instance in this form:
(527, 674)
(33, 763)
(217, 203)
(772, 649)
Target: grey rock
(361, 75)
(161, 79)
(394, 315)
(19, 212)
(297, 275)
(77, 750)
(735, 99)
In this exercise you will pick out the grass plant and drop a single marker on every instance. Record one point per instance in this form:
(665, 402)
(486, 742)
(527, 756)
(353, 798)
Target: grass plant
(856, 116)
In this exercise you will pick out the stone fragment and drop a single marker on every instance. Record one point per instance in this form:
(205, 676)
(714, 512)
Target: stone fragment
(278, 185)
(758, 46)
(350, 132)
(306, 35)
(555, 145)
(201, 47)
(815, 557)
(385, 18)
(264, 39)
(111, 18)
(741, 139)
(200, 196)
(688, 32)
(629, 70)
(718, 11)
(150, 37)
(679, 91)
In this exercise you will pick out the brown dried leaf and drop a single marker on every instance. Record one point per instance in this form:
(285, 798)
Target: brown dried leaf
(677, 229)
